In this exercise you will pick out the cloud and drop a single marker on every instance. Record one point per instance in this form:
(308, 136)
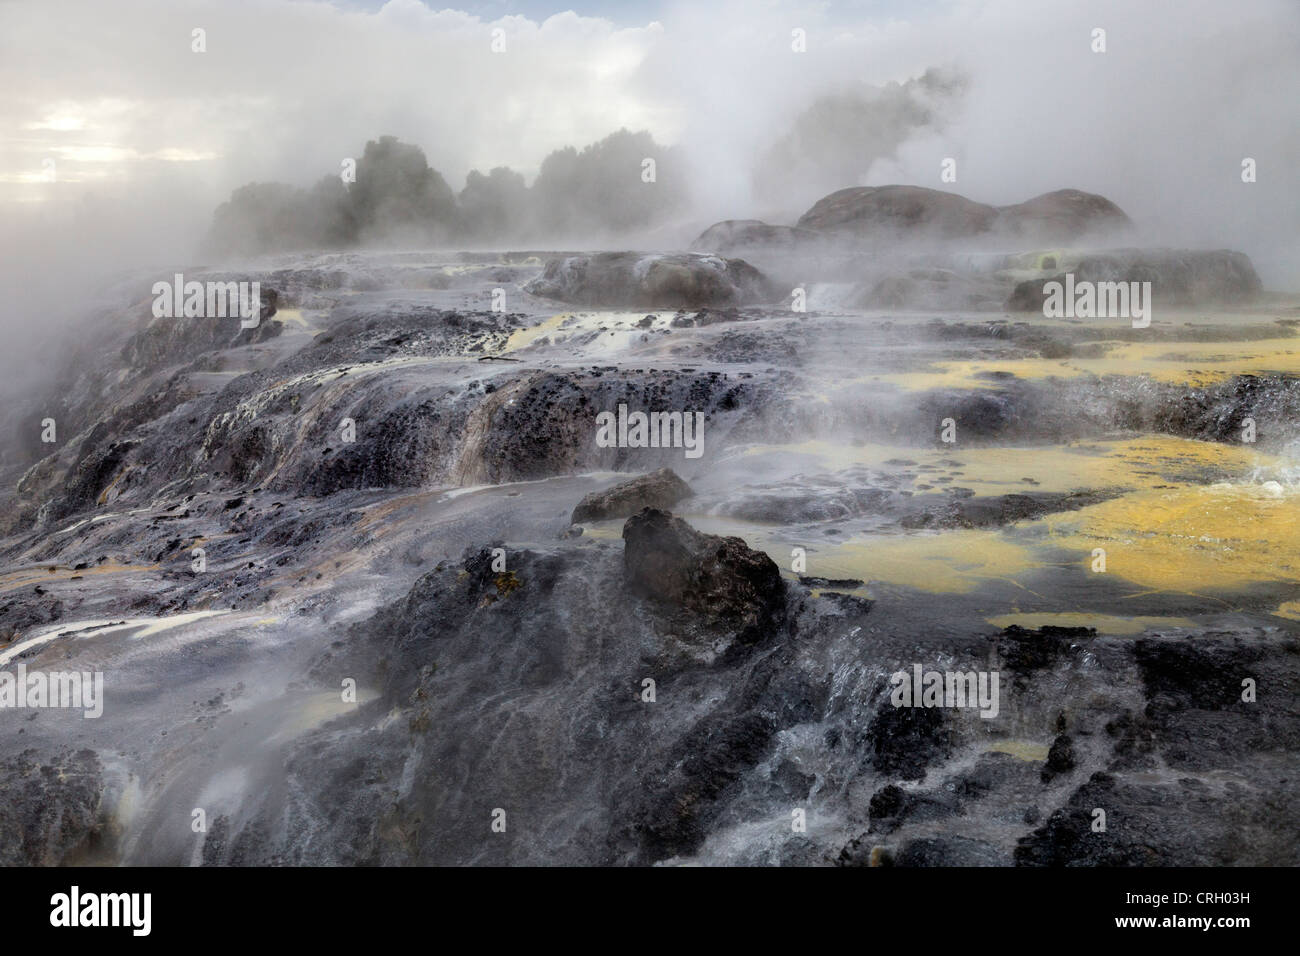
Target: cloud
(286, 90)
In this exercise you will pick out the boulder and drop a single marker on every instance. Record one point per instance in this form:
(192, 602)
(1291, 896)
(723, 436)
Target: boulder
(1062, 216)
(884, 211)
(659, 489)
(638, 280)
(1178, 277)
(667, 561)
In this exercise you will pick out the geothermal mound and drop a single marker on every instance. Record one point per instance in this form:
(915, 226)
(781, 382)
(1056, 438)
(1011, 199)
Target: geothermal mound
(732, 235)
(916, 212)
(636, 280)
(1178, 277)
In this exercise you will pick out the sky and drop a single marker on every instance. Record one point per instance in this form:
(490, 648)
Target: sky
(113, 126)
(639, 12)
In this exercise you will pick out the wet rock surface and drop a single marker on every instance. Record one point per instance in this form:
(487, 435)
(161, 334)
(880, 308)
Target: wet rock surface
(167, 340)
(331, 578)
(669, 562)
(660, 489)
(52, 812)
(1177, 277)
(1066, 215)
(651, 281)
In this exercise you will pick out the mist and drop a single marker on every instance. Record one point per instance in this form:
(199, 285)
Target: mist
(351, 349)
(121, 141)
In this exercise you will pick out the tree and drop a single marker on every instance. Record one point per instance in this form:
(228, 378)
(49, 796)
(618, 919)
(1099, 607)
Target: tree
(602, 189)
(260, 217)
(496, 206)
(396, 193)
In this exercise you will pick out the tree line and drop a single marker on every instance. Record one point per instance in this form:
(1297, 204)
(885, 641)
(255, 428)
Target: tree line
(395, 197)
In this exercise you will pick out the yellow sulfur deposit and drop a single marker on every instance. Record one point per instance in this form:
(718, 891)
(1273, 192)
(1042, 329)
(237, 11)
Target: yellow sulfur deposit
(1193, 539)
(1192, 363)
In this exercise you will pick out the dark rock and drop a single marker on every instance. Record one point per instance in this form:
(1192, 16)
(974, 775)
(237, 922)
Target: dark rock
(1178, 277)
(711, 758)
(1169, 823)
(816, 582)
(1024, 651)
(888, 801)
(637, 280)
(906, 740)
(167, 340)
(1060, 758)
(705, 317)
(52, 811)
(1182, 676)
(867, 211)
(916, 211)
(659, 489)
(949, 851)
(669, 562)
(794, 783)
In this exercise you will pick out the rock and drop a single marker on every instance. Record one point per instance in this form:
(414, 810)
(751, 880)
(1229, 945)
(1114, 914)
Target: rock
(732, 235)
(637, 280)
(1062, 216)
(1178, 277)
(817, 582)
(1147, 824)
(906, 740)
(950, 851)
(880, 211)
(1024, 651)
(1060, 758)
(1183, 677)
(669, 562)
(888, 801)
(527, 681)
(659, 489)
(53, 813)
(168, 340)
(992, 512)
(684, 320)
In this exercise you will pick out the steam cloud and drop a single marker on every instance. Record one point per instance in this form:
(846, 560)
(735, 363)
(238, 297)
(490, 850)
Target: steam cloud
(148, 137)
